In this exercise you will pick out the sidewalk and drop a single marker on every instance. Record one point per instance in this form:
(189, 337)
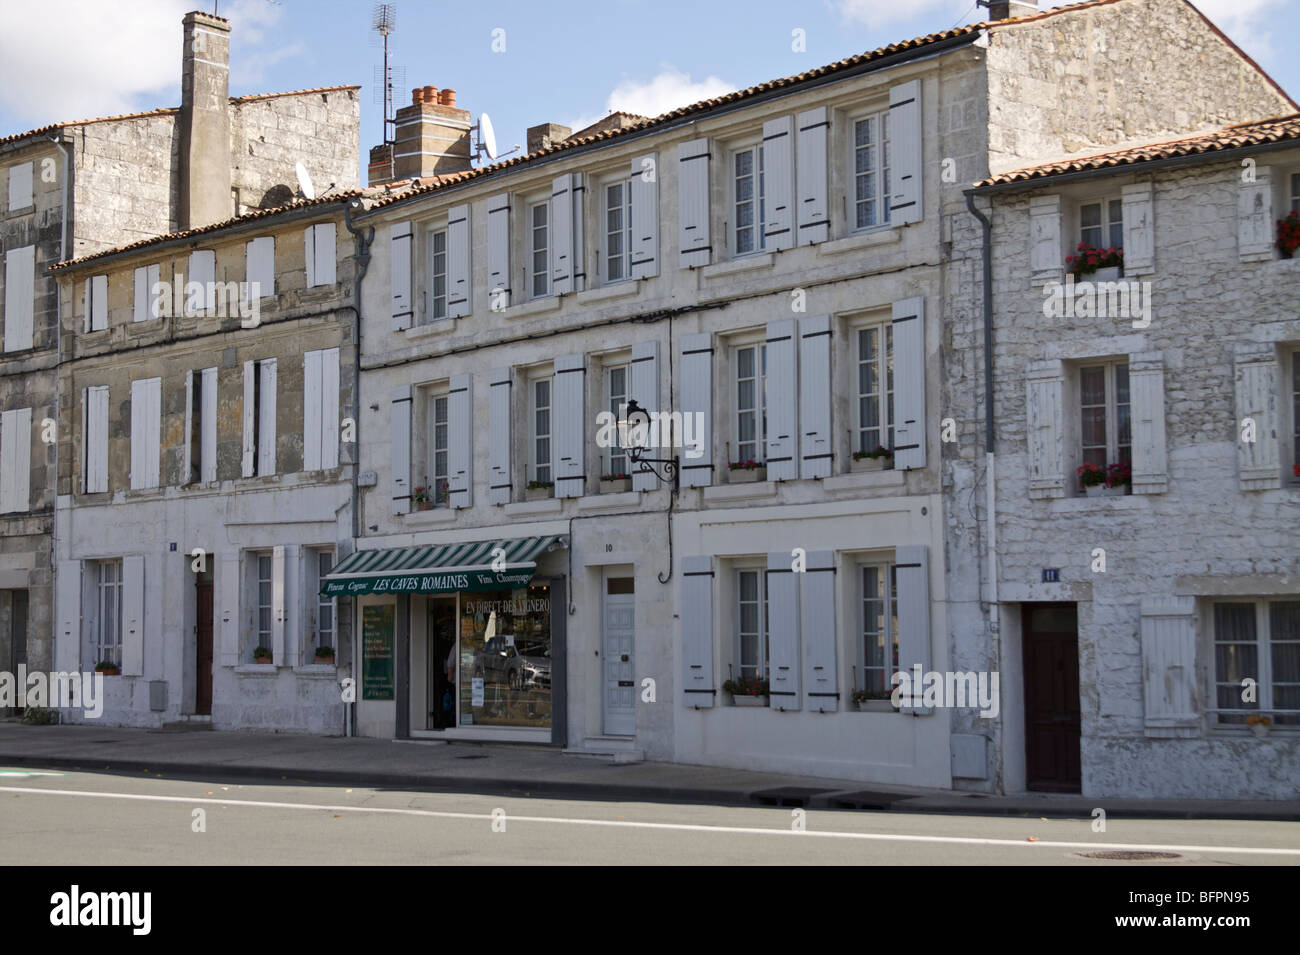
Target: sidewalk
(519, 770)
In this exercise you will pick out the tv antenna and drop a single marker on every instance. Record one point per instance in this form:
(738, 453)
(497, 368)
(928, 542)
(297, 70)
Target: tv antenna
(384, 22)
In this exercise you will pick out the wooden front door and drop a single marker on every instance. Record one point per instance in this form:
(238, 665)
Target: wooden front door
(203, 651)
(1051, 648)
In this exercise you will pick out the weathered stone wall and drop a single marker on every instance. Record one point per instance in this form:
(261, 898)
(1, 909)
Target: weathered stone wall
(125, 181)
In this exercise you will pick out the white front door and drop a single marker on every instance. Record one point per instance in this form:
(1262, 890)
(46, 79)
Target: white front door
(619, 690)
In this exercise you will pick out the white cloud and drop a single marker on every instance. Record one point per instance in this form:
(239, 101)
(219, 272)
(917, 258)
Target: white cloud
(1246, 22)
(669, 89)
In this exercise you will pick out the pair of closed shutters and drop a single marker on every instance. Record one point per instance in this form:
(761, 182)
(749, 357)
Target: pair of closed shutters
(15, 460)
(146, 424)
(460, 444)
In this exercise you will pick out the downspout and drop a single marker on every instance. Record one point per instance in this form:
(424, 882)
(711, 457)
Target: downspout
(58, 370)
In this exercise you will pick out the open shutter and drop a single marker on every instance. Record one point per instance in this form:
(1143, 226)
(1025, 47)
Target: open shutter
(1045, 428)
(782, 401)
(278, 604)
(266, 393)
(400, 417)
(783, 632)
(569, 426)
(133, 615)
(20, 187)
(1046, 260)
(1258, 460)
(498, 251)
(1255, 227)
(499, 414)
(577, 191)
(458, 267)
(905, 152)
(188, 462)
(15, 460)
(817, 627)
(913, 570)
(208, 425)
(311, 411)
(1169, 684)
(97, 439)
(249, 465)
(203, 270)
(561, 235)
(1147, 393)
(1139, 229)
(697, 632)
(20, 297)
(85, 441)
(697, 407)
(319, 247)
(141, 299)
(811, 205)
(228, 588)
(778, 178)
(329, 408)
(67, 588)
(96, 303)
(693, 248)
(645, 216)
(259, 260)
(400, 245)
(909, 383)
(294, 594)
(460, 441)
(815, 396)
(645, 391)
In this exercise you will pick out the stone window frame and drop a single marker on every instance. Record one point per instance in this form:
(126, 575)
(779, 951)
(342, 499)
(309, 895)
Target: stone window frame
(1073, 414)
(883, 196)
(1263, 676)
(731, 150)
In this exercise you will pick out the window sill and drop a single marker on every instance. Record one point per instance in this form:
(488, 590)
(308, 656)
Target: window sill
(864, 479)
(863, 240)
(1120, 502)
(748, 263)
(442, 326)
(537, 306)
(607, 502)
(740, 492)
(550, 505)
(1285, 266)
(257, 669)
(317, 671)
(435, 515)
(620, 289)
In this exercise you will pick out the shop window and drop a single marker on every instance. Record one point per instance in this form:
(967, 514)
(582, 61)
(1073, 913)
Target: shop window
(505, 658)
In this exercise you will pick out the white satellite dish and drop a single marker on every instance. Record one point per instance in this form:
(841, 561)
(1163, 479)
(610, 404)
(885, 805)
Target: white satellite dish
(304, 182)
(487, 137)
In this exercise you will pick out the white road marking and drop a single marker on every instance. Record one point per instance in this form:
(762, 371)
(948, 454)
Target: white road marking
(682, 827)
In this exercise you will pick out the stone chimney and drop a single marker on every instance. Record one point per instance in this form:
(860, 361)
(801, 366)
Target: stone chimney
(547, 134)
(432, 139)
(1010, 9)
(205, 122)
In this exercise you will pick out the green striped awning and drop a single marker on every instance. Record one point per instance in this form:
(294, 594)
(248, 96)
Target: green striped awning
(438, 569)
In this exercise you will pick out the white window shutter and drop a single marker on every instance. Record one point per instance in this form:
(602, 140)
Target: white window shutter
(645, 391)
(460, 441)
(322, 266)
(133, 615)
(15, 460)
(458, 261)
(815, 396)
(188, 464)
(277, 604)
(400, 246)
(146, 424)
(569, 426)
(778, 176)
(499, 420)
(141, 300)
(266, 394)
(561, 236)
(913, 569)
(1171, 701)
(1259, 460)
(909, 384)
(85, 441)
(1045, 428)
(309, 253)
(811, 202)
(645, 216)
(1146, 373)
(294, 595)
(259, 261)
(249, 465)
(229, 590)
(817, 629)
(97, 303)
(1139, 229)
(67, 589)
(203, 269)
(905, 152)
(208, 425)
(311, 411)
(697, 632)
(329, 408)
(697, 403)
(498, 251)
(20, 186)
(20, 297)
(782, 455)
(1255, 225)
(693, 246)
(99, 436)
(400, 419)
(576, 193)
(1046, 260)
(783, 632)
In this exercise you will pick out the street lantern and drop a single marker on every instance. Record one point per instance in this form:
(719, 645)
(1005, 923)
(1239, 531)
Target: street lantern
(633, 436)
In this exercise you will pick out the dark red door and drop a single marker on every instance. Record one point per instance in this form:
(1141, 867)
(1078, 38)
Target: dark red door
(203, 651)
(1051, 643)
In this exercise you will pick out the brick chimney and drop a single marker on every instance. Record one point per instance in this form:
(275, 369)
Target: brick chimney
(1010, 9)
(547, 134)
(205, 122)
(432, 139)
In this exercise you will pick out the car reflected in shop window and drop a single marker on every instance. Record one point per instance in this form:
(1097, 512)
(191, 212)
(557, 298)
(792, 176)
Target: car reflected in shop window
(520, 667)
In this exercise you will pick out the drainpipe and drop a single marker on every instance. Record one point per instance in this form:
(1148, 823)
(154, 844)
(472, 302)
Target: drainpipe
(58, 370)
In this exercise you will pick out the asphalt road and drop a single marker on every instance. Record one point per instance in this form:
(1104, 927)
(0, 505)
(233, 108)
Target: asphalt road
(72, 818)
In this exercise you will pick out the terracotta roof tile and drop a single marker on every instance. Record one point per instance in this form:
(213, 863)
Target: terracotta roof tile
(314, 89)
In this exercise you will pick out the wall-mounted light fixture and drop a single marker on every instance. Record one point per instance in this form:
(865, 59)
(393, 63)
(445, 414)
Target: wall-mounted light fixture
(634, 429)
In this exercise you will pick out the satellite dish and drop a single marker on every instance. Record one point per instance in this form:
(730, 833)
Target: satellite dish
(304, 182)
(487, 137)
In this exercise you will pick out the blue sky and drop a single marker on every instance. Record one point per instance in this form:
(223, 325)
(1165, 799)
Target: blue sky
(563, 62)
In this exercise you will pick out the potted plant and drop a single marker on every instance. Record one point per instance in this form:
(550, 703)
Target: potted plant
(874, 701)
(878, 459)
(1119, 478)
(420, 496)
(539, 490)
(747, 471)
(441, 493)
(1259, 724)
(614, 483)
(261, 655)
(108, 668)
(1288, 234)
(1092, 479)
(1100, 265)
(747, 691)
(325, 655)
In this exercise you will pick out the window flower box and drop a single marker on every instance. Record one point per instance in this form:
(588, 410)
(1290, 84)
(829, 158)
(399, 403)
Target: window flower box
(1115, 481)
(749, 700)
(108, 669)
(747, 691)
(746, 472)
(874, 701)
(325, 656)
(539, 490)
(262, 655)
(880, 459)
(615, 483)
(1096, 265)
(1259, 725)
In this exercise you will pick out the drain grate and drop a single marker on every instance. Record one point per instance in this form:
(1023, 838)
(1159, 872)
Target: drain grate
(799, 796)
(1129, 855)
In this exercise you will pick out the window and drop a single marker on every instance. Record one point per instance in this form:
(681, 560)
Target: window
(1104, 424)
(94, 447)
(97, 303)
(324, 636)
(1295, 192)
(437, 291)
(1101, 224)
(540, 446)
(321, 258)
(259, 417)
(751, 402)
(15, 459)
(438, 465)
(875, 412)
(879, 592)
(265, 609)
(618, 231)
(146, 425)
(108, 612)
(751, 623)
(871, 171)
(20, 298)
(748, 196)
(259, 268)
(1258, 640)
(202, 426)
(539, 250)
(616, 384)
(20, 186)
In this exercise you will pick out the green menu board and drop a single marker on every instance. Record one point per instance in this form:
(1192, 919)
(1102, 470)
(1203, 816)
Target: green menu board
(377, 681)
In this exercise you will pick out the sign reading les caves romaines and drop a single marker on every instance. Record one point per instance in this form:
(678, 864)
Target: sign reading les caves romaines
(427, 583)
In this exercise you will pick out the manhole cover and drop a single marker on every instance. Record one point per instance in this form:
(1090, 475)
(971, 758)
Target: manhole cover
(1129, 855)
